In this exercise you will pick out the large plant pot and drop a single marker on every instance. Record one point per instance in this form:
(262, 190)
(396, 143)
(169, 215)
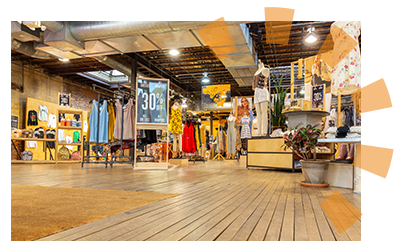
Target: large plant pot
(314, 171)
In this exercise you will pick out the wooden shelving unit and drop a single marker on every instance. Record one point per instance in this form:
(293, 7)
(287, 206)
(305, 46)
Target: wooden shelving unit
(32, 139)
(80, 129)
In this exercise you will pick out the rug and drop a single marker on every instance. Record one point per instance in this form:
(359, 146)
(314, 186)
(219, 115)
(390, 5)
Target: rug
(38, 211)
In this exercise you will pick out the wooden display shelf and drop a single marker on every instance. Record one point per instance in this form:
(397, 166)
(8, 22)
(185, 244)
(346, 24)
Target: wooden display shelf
(33, 161)
(31, 139)
(80, 143)
(70, 127)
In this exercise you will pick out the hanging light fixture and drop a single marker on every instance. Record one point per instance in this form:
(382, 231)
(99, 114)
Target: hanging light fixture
(174, 52)
(63, 59)
(184, 105)
(311, 37)
(205, 78)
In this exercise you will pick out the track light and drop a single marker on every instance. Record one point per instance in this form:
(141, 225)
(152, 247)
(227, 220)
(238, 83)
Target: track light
(63, 59)
(184, 105)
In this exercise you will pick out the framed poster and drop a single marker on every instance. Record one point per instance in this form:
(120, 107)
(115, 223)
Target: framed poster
(241, 107)
(64, 100)
(317, 97)
(215, 97)
(151, 101)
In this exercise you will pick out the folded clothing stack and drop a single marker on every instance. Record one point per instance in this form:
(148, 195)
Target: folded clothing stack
(344, 132)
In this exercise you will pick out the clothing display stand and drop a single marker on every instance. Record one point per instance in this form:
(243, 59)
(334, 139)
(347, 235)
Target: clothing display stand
(218, 156)
(113, 160)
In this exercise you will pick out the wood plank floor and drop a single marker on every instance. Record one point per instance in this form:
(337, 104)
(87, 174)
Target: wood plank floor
(218, 201)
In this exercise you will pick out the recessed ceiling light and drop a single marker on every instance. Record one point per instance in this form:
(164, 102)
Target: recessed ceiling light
(173, 52)
(311, 37)
(63, 59)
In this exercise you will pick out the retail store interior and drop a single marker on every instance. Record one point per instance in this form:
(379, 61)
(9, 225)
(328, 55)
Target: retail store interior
(207, 131)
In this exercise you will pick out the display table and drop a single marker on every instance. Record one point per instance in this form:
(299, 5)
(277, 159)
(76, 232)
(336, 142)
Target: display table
(304, 117)
(267, 152)
(345, 175)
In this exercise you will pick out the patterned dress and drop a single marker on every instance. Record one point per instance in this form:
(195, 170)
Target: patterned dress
(245, 127)
(346, 75)
(175, 123)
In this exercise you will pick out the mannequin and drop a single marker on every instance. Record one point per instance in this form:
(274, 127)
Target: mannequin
(176, 128)
(261, 97)
(231, 136)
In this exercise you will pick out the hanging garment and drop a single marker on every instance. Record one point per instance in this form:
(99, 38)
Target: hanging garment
(175, 123)
(77, 136)
(231, 137)
(52, 122)
(85, 126)
(203, 134)
(188, 139)
(93, 122)
(349, 119)
(208, 140)
(128, 120)
(346, 75)
(51, 134)
(197, 137)
(61, 135)
(31, 144)
(111, 120)
(245, 127)
(43, 113)
(32, 118)
(103, 123)
(238, 139)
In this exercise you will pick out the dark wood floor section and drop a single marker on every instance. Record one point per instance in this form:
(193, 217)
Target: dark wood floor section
(219, 201)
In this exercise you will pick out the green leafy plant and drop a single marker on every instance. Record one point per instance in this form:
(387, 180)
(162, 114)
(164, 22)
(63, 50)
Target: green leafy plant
(303, 141)
(277, 118)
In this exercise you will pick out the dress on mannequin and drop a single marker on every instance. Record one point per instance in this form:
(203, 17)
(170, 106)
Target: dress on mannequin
(261, 97)
(245, 127)
(175, 126)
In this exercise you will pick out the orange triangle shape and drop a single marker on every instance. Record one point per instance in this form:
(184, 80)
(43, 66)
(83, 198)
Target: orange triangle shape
(376, 160)
(375, 96)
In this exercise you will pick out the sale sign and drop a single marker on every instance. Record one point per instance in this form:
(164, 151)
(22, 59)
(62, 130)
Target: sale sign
(151, 101)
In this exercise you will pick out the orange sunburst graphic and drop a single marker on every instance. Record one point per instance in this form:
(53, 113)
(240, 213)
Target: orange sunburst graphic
(378, 166)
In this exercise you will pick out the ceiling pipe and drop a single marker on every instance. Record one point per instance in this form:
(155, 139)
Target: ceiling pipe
(54, 26)
(27, 48)
(84, 31)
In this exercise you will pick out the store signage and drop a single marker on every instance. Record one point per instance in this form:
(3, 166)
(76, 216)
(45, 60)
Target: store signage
(14, 122)
(216, 97)
(151, 101)
(317, 97)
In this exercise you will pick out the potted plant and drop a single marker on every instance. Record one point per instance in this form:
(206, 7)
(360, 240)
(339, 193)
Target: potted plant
(277, 118)
(303, 142)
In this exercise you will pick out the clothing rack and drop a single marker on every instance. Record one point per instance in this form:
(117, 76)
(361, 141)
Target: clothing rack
(113, 160)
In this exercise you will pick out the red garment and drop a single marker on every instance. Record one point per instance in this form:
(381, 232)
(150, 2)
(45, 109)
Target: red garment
(188, 144)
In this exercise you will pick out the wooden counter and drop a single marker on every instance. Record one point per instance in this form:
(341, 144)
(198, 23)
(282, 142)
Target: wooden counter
(267, 152)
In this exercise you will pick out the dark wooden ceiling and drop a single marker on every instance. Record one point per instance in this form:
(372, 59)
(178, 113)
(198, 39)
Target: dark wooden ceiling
(186, 69)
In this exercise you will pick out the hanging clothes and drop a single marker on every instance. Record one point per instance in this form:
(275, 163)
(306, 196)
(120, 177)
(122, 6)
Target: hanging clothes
(111, 120)
(197, 137)
(349, 119)
(52, 122)
(188, 145)
(128, 120)
(43, 113)
(231, 137)
(32, 118)
(98, 123)
(103, 123)
(254, 130)
(51, 134)
(93, 122)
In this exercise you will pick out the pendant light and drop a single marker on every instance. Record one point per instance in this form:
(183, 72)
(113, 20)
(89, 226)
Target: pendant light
(205, 78)
(173, 52)
(311, 37)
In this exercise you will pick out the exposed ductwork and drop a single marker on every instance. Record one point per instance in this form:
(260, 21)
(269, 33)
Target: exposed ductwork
(84, 31)
(98, 39)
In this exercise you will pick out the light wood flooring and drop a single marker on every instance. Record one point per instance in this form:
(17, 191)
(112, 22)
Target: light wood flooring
(218, 201)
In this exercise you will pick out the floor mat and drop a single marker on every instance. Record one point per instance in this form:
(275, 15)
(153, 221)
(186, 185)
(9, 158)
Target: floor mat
(38, 211)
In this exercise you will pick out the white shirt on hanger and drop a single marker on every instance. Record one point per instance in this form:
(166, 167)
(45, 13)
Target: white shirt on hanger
(52, 122)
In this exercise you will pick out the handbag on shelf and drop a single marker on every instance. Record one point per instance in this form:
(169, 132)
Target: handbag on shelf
(63, 153)
(76, 155)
